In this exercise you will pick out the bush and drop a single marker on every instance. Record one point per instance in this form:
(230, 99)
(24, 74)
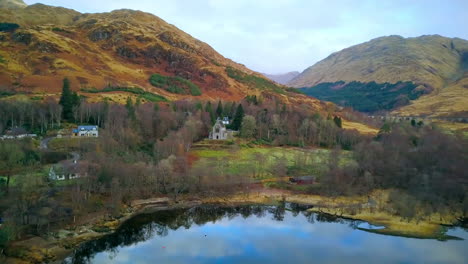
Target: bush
(6, 235)
(53, 157)
(8, 27)
(6, 93)
(175, 85)
(57, 29)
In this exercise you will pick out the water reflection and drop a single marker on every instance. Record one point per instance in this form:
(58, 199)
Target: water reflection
(250, 234)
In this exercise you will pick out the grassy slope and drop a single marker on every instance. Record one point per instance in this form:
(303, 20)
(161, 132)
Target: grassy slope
(432, 60)
(244, 160)
(121, 48)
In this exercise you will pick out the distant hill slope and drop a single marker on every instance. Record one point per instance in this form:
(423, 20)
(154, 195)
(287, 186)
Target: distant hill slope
(12, 4)
(120, 52)
(282, 78)
(435, 64)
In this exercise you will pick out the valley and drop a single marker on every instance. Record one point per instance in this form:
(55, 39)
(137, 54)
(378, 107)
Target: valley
(125, 138)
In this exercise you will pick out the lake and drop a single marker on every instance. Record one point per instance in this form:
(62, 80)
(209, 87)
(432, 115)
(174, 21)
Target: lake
(262, 234)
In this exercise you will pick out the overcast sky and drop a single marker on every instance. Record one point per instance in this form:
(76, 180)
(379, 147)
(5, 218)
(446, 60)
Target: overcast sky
(276, 36)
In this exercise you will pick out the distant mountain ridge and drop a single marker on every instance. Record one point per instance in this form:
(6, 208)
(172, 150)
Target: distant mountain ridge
(282, 78)
(434, 63)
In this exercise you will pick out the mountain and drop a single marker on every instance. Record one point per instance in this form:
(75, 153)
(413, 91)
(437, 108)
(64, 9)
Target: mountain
(12, 4)
(115, 55)
(282, 78)
(426, 75)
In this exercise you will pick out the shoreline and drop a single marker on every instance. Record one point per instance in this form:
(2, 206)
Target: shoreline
(54, 249)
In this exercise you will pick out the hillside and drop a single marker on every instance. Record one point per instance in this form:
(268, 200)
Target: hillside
(436, 65)
(282, 78)
(104, 54)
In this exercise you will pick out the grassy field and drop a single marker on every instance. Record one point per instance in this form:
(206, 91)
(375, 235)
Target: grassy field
(361, 128)
(262, 162)
(452, 127)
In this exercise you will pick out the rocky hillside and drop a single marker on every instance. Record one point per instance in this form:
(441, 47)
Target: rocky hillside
(435, 64)
(282, 78)
(112, 54)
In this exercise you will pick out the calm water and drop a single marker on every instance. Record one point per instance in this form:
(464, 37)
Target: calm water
(261, 234)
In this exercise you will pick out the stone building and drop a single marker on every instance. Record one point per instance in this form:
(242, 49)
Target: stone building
(220, 132)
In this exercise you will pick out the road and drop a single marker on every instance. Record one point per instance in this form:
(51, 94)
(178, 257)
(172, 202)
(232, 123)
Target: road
(44, 145)
(45, 142)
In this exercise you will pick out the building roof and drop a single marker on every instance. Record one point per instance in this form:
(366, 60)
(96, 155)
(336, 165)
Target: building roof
(85, 128)
(220, 123)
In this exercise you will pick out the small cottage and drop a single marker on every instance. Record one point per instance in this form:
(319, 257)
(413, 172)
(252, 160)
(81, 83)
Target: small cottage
(86, 131)
(66, 170)
(220, 132)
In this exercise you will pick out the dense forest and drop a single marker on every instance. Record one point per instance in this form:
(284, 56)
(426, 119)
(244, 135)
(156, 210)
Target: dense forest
(144, 151)
(367, 97)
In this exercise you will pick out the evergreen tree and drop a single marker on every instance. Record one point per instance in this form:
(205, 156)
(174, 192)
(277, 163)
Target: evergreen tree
(237, 122)
(209, 109)
(233, 110)
(199, 106)
(338, 121)
(219, 109)
(130, 107)
(227, 109)
(69, 100)
(138, 102)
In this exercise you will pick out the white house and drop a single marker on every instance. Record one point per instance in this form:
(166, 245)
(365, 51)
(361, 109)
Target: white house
(86, 131)
(67, 170)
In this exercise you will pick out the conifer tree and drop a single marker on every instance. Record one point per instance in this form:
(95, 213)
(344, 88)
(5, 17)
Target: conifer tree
(219, 109)
(209, 109)
(238, 117)
(338, 121)
(69, 100)
(130, 107)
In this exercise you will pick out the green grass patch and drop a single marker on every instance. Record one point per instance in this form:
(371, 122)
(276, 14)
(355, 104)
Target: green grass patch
(254, 82)
(260, 162)
(134, 90)
(294, 90)
(175, 84)
(2, 60)
(14, 179)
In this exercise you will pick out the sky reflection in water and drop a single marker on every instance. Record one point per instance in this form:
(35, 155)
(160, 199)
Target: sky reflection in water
(254, 239)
